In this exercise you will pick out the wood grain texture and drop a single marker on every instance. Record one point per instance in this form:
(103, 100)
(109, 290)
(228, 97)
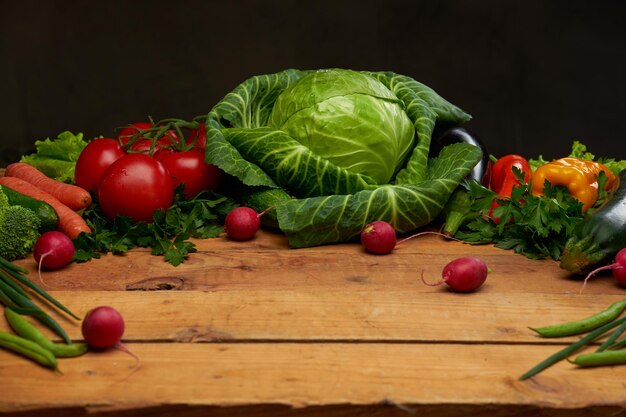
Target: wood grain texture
(390, 316)
(267, 262)
(297, 375)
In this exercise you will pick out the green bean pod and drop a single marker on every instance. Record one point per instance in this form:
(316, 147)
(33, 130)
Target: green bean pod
(569, 350)
(25, 329)
(25, 302)
(604, 358)
(583, 325)
(28, 348)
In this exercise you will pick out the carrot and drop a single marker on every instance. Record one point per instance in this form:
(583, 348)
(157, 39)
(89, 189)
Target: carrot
(70, 222)
(72, 196)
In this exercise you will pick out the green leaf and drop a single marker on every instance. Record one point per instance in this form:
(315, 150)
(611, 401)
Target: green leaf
(249, 106)
(293, 166)
(334, 218)
(535, 226)
(167, 236)
(57, 158)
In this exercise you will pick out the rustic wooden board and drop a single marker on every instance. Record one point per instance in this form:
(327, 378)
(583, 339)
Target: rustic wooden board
(297, 375)
(395, 316)
(268, 263)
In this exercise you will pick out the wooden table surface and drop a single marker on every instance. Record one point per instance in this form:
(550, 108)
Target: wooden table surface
(258, 329)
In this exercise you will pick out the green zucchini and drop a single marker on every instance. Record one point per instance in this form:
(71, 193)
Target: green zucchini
(45, 212)
(598, 237)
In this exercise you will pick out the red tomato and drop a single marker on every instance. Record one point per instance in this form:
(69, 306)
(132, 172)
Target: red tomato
(94, 159)
(133, 129)
(135, 186)
(190, 169)
(199, 136)
(143, 145)
(162, 146)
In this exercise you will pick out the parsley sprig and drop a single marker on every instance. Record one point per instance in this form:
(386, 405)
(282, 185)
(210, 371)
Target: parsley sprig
(168, 236)
(536, 226)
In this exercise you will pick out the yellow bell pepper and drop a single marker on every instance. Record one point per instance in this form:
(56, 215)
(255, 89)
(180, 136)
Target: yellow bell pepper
(578, 175)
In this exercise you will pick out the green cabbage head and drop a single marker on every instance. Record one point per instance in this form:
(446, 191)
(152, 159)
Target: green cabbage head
(332, 150)
(348, 118)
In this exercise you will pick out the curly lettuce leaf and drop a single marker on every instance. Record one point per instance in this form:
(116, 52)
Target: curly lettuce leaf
(579, 150)
(57, 158)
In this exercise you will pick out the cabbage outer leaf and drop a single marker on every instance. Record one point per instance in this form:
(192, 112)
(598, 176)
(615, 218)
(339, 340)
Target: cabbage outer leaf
(327, 219)
(292, 165)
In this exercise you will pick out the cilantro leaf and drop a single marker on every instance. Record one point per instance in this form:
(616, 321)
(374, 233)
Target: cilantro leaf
(535, 226)
(168, 236)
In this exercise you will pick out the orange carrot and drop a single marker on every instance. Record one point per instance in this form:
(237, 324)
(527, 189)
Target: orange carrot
(72, 196)
(70, 222)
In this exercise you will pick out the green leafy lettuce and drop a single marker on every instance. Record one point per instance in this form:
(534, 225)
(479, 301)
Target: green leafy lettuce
(57, 158)
(337, 151)
(579, 150)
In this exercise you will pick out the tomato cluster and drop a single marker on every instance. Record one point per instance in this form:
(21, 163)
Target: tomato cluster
(133, 176)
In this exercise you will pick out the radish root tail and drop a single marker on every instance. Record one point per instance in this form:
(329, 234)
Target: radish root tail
(431, 284)
(428, 233)
(39, 268)
(125, 349)
(265, 211)
(595, 271)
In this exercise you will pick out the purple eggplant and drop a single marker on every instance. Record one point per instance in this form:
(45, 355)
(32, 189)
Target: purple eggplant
(462, 135)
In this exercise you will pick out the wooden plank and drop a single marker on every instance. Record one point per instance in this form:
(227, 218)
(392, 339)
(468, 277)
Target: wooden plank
(297, 375)
(267, 262)
(334, 316)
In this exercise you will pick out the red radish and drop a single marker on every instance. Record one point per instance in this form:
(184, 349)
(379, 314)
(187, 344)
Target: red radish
(53, 250)
(242, 223)
(103, 328)
(464, 274)
(379, 237)
(618, 267)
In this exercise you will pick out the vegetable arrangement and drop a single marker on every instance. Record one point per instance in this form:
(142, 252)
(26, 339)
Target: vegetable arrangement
(152, 189)
(545, 209)
(324, 156)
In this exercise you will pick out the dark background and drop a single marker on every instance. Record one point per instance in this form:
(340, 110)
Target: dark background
(535, 75)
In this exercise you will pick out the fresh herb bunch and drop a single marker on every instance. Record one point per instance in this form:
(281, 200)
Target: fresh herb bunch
(168, 236)
(535, 226)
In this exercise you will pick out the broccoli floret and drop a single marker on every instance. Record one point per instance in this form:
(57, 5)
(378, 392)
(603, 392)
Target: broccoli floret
(19, 229)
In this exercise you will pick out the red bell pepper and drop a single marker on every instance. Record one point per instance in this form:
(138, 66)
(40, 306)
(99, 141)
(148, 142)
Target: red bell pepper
(503, 179)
